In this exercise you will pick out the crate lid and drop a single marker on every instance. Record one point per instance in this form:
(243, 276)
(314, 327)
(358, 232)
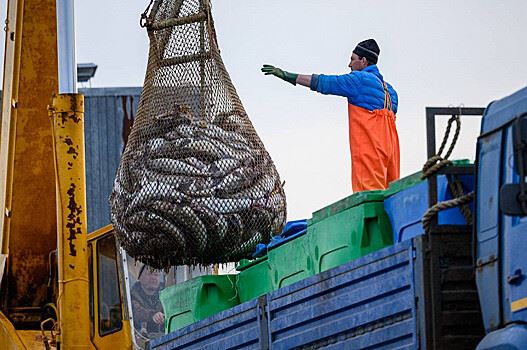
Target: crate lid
(246, 263)
(346, 203)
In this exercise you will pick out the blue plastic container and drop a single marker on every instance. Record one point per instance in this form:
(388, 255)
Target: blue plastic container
(405, 208)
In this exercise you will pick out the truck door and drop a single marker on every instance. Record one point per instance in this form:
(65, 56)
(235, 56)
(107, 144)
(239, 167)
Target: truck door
(110, 328)
(514, 228)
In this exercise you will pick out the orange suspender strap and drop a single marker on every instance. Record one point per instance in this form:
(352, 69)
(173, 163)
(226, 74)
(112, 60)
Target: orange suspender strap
(387, 98)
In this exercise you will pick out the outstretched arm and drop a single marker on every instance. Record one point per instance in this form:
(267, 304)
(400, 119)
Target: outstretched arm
(293, 78)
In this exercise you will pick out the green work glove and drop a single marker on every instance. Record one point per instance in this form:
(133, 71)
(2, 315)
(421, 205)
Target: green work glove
(267, 69)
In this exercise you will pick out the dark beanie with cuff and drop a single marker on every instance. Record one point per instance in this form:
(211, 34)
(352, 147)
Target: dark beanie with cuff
(369, 49)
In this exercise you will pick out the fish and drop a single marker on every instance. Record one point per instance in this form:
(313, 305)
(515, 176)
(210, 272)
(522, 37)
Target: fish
(227, 152)
(174, 167)
(223, 206)
(192, 225)
(150, 222)
(195, 162)
(216, 132)
(186, 131)
(216, 224)
(155, 144)
(236, 181)
(260, 188)
(203, 149)
(222, 167)
(245, 248)
(156, 190)
(171, 149)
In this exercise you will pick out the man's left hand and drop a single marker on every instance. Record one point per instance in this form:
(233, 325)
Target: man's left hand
(159, 318)
(267, 69)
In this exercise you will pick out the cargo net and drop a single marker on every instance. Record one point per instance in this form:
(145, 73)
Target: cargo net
(195, 184)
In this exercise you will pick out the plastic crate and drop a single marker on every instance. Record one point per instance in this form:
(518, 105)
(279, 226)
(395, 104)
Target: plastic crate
(290, 261)
(197, 299)
(254, 278)
(348, 229)
(408, 201)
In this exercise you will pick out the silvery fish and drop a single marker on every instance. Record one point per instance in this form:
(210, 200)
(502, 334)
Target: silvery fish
(215, 223)
(261, 188)
(148, 222)
(223, 206)
(156, 190)
(236, 181)
(247, 246)
(173, 166)
(171, 149)
(204, 149)
(222, 167)
(192, 225)
(155, 144)
(235, 227)
(195, 162)
(214, 131)
(231, 152)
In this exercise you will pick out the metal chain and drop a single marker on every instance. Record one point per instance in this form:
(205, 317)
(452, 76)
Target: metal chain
(431, 212)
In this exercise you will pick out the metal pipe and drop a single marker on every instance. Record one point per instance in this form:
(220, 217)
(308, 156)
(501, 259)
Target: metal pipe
(67, 59)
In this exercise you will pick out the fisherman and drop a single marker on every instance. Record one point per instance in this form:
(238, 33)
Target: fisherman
(146, 306)
(372, 105)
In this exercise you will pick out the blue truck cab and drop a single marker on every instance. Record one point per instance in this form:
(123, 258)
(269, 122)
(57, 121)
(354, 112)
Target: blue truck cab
(501, 224)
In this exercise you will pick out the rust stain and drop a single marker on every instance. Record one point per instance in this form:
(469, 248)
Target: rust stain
(65, 116)
(74, 222)
(71, 148)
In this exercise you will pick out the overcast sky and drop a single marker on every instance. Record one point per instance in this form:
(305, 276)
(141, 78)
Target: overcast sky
(435, 53)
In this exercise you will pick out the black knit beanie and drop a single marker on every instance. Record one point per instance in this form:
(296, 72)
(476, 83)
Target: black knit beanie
(369, 49)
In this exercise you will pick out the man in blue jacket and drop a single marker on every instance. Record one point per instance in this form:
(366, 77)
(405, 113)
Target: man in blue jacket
(372, 105)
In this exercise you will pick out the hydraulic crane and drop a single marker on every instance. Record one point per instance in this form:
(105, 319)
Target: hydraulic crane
(51, 271)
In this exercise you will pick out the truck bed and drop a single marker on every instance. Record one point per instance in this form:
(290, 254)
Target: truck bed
(418, 294)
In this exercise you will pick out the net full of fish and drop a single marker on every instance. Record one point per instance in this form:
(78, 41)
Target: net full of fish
(195, 184)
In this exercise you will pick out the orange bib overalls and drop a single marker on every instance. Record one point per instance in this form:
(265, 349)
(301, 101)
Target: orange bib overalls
(374, 146)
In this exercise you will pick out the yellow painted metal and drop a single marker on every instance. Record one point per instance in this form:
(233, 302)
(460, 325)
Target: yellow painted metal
(100, 233)
(121, 339)
(9, 338)
(67, 114)
(519, 304)
(27, 184)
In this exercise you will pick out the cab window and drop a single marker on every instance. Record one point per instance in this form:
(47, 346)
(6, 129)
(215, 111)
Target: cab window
(110, 310)
(90, 274)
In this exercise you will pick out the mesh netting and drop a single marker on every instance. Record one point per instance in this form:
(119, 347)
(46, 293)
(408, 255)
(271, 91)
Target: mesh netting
(195, 184)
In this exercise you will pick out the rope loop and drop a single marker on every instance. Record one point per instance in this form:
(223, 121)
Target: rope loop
(432, 211)
(437, 162)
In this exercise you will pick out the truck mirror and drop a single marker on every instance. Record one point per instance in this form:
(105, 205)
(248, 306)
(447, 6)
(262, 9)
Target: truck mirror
(510, 203)
(513, 197)
(519, 140)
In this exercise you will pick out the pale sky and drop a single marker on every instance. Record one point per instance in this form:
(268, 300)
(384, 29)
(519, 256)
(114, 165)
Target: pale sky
(435, 53)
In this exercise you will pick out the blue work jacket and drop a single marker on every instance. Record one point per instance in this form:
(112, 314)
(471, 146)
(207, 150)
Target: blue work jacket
(362, 88)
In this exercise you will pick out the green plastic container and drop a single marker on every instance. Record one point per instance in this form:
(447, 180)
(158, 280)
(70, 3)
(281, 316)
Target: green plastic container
(197, 299)
(290, 262)
(254, 278)
(348, 229)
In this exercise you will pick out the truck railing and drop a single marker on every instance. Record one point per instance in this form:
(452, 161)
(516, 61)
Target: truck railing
(431, 114)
